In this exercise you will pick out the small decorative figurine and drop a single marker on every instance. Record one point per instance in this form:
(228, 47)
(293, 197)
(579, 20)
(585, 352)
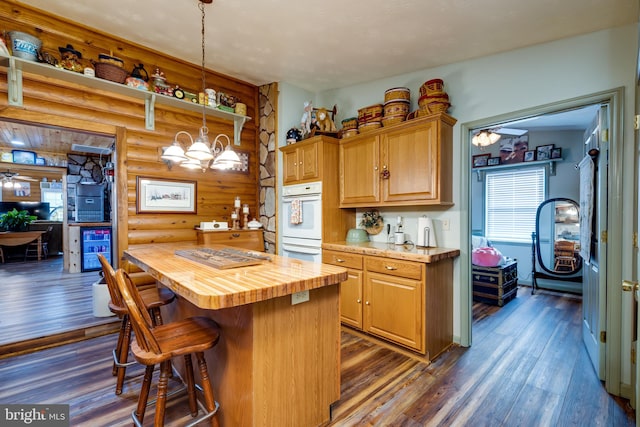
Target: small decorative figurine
(70, 59)
(305, 121)
(324, 122)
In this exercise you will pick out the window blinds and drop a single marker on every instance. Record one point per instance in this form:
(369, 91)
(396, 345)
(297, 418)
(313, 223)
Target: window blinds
(511, 200)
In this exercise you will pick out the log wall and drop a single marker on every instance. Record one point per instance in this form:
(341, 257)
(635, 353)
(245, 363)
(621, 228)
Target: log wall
(58, 103)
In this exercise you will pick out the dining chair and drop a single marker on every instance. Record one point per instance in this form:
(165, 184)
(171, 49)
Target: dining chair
(157, 344)
(565, 256)
(32, 248)
(153, 298)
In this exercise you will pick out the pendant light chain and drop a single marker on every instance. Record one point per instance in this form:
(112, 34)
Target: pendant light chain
(204, 84)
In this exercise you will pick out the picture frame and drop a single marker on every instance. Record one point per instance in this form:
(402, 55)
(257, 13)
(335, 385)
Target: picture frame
(493, 161)
(159, 195)
(543, 152)
(530, 156)
(24, 157)
(480, 160)
(556, 153)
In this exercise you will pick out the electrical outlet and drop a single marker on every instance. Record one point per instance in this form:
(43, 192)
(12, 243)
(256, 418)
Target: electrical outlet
(445, 225)
(298, 297)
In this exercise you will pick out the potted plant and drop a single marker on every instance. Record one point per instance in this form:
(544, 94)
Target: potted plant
(372, 221)
(15, 220)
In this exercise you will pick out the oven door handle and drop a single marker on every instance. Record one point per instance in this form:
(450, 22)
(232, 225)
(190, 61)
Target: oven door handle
(312, 197)
(302, 249)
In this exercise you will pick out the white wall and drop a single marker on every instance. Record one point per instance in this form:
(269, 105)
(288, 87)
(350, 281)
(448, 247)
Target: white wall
(503, 84)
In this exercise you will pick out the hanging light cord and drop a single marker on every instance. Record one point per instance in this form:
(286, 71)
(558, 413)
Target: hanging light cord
(204, 111)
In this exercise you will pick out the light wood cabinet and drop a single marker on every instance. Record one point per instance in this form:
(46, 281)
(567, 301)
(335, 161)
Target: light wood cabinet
(246, 239)
(301, 161)
(316, 159)
(405, 164)
(408, 303)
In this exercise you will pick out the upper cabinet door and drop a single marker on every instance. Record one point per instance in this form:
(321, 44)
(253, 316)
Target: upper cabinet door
(359, 171)
(309, 165)
(403, 165)
(290, 166)
(411, 157)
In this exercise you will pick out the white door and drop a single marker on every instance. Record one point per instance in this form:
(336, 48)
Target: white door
(594, 271)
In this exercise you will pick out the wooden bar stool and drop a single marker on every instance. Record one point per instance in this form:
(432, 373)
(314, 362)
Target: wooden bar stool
(153, 298)
(155, 344)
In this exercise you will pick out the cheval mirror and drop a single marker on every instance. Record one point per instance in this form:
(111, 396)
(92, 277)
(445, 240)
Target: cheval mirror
(556, 242)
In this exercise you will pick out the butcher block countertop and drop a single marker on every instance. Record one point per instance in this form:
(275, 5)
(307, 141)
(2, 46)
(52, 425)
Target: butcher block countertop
(211, 288)
(426, 255)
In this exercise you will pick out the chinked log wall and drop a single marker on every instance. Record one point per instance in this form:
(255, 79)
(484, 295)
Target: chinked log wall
(58, 103)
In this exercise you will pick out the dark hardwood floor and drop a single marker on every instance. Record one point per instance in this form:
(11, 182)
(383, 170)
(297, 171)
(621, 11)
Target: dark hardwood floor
(527, 366)
(43, 306)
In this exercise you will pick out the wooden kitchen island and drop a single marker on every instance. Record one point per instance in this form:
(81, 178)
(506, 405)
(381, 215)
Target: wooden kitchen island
(277, 363)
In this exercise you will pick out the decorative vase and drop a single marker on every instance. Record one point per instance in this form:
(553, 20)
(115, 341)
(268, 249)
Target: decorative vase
(375, 229)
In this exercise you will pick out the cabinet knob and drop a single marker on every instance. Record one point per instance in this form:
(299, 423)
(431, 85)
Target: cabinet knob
(235, 235)
(339, 260)
(358, 300)
(367, 302)
(375, 168)
(390, 267)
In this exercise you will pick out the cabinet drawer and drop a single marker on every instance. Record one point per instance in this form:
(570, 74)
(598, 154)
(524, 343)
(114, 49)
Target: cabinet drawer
(246, 239)
(395, 267)
(342, 259)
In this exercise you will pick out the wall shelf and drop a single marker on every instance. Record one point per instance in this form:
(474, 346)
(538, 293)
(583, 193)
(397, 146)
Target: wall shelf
(16, 66)
(551, 163)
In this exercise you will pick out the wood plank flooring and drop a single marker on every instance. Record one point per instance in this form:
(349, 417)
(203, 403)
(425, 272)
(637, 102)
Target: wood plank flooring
(527, 367)
(43, 305)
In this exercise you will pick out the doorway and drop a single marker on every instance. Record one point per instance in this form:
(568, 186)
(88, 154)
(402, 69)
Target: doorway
(611, 272)
(64, 152)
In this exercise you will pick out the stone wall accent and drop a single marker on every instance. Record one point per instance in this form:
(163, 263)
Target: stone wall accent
(268, 103)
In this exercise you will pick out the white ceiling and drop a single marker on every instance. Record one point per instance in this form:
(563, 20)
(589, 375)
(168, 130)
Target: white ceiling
(325, 44)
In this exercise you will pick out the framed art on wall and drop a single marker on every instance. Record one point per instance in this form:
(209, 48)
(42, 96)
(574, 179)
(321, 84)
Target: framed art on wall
(529, 156)
(480, 160)
(157, 195)
(543, 152)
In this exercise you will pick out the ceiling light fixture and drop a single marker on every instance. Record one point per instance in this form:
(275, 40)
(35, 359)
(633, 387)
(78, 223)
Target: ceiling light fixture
(16, 141)
(201, 154)
(485, 138)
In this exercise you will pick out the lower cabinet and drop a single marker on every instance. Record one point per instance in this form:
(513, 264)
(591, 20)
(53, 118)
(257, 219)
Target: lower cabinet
(408, 303)
(246, 239)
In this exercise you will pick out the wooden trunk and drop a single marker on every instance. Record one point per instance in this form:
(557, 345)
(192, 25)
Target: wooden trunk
(496, 285)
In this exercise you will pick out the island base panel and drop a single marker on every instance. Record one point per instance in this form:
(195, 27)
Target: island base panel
(276, 363)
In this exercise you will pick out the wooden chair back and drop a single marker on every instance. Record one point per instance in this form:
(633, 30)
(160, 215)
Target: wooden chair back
(138, 314)
(110, 278)
(564, 248)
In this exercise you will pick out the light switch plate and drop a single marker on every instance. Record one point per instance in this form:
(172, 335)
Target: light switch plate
(298, 297)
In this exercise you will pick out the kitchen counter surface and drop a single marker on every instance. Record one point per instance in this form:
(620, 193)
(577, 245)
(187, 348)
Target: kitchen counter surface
(426, 255)
(212, 288)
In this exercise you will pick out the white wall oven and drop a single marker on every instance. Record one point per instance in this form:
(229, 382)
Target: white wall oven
(302, 221)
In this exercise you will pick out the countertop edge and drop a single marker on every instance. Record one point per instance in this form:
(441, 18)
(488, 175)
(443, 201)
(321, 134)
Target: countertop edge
(426, 255)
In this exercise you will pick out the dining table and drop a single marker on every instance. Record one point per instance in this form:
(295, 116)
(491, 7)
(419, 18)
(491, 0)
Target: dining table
(18, 238)
(278, 359)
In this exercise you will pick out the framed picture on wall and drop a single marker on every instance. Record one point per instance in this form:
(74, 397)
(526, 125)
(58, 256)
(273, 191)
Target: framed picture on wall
(529, 156)
(480, 160)
(157, 195)
(543, 152)
(493, 161)
(556, 153)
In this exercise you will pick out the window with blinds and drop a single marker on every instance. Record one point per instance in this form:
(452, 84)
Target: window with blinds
(511, 199)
